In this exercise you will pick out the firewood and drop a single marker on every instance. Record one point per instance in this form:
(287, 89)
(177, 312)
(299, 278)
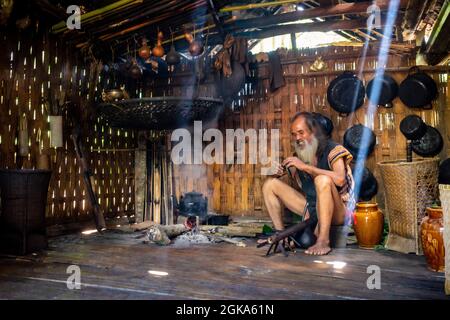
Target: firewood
(228, 240)
(162, 235)
(233, 230)
(142, 225)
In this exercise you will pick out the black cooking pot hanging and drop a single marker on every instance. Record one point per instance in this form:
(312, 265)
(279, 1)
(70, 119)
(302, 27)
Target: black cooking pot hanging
(418, 89)
(368, 185)
(413, 127)
(388, 90)
(345, 93)
(325, 123)
(353, 140)
(430, 144)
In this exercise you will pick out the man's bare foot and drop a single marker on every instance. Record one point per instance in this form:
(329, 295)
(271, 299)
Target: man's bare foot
(262, 241)
(319, 249)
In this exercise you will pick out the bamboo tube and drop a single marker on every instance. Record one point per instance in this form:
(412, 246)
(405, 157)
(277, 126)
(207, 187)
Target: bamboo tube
(56, 131)
(143, 12)
(92, 15)
(133, 28)
(147, 23)
(23, 136)
(258, 5)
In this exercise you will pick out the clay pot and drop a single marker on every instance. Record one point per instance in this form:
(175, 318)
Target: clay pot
(431, 234)
(116, 94)
(368, 224)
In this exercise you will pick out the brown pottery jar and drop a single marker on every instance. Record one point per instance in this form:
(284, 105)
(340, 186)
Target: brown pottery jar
(431, 234)
(368, 224)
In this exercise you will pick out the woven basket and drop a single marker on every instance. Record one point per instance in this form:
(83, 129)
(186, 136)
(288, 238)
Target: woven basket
(24, 198)
(444, 190)
(410, 187)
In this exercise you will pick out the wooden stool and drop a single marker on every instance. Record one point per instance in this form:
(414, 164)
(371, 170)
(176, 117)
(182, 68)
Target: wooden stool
(338, 236)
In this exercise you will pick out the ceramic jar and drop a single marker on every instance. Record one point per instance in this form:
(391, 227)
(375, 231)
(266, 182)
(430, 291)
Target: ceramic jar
(431, 234)
(368, 224)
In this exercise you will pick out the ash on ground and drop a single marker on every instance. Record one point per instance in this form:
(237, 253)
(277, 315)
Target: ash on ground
(191, 238)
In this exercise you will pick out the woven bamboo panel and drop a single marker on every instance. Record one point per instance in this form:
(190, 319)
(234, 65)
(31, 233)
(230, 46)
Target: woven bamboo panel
(236, 189)
(29, 70)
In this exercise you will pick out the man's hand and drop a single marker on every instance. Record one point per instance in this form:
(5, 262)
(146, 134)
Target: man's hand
(280, 170)
(294, 162)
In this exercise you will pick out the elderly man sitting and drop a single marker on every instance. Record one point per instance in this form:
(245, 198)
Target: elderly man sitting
(321, 169)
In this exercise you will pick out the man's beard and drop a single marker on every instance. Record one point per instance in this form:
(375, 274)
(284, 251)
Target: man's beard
(307, 151)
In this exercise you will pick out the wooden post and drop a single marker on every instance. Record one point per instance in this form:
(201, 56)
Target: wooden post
(140, 177)
(293, 41)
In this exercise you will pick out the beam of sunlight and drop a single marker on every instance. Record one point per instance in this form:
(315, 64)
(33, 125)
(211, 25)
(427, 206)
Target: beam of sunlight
(87, 232)
(158, 273)
(376, 91)
(335, 264)
(318, 261)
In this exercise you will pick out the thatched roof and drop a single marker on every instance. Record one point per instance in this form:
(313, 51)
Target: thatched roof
(119, 24)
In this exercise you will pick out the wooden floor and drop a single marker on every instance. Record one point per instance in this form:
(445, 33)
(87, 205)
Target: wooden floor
(116, 266)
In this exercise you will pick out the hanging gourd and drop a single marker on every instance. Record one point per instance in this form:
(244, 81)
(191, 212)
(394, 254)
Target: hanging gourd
(172, 57)
(144, 51)
(195, 47)
(158, 50)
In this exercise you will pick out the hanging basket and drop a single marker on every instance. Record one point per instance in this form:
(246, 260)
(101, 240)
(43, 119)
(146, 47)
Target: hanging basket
(159, 113)
(409, 187)
(444, 193)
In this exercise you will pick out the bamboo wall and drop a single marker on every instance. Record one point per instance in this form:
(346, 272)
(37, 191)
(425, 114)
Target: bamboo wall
(30, 64)
(29, 67)
(236, 189)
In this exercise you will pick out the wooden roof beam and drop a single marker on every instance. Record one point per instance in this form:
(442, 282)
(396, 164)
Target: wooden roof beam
(438, 45)
(307, 27)
(318, 12)
(259, 5)
(98, 14)
(413, 15)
